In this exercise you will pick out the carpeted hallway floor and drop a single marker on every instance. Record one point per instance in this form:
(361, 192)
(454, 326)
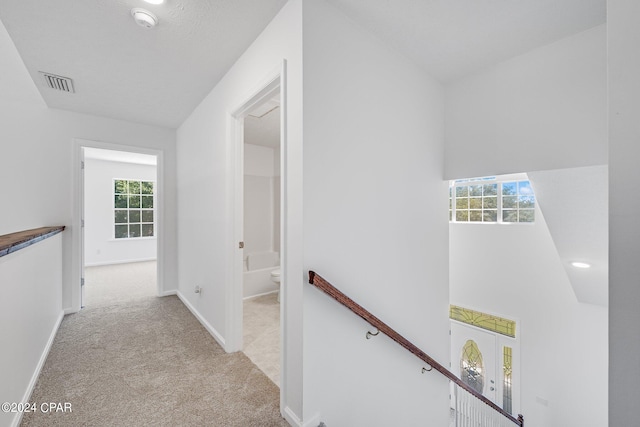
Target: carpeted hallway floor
(147, 361)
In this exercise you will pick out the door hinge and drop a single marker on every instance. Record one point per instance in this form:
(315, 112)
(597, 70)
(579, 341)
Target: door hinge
(82, 223)
(241, 245)
(82, 281)
(82, 164)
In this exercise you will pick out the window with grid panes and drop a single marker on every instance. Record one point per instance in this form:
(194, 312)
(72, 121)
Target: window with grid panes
(490, 200)
(133, 209)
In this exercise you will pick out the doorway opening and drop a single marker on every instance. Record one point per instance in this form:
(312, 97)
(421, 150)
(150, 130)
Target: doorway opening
(261, 236)
(119, 196)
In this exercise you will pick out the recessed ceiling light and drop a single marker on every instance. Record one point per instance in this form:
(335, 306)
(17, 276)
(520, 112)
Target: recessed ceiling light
(154, 1)
(144, 18)
(580, 264)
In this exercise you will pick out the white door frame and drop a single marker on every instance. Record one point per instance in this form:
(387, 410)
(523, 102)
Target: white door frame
(273, 82)
(77, 244)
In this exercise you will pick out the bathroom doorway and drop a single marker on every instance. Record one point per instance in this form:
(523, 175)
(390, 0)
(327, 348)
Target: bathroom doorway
(261, 236)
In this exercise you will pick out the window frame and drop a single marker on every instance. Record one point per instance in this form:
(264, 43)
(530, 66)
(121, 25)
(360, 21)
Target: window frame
(499, 181)
(129, 209)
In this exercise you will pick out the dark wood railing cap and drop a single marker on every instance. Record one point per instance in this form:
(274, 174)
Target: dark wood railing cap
(317, 281)
(10, 243)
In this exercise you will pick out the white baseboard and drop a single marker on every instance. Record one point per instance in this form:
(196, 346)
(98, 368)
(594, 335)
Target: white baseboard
(259, 295)
(125, 261)
(34, 378)
(168, 293)
(293, 419)
(215, 334)
(70, 311)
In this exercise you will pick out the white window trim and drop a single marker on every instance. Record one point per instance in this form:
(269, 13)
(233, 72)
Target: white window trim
(113, 203)
(500, 179)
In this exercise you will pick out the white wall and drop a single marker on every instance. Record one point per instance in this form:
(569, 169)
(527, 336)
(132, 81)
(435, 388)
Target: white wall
(514, 271)
(37, 158)
(259, 199)
(373, 182)
(100, 246)
(205, 161)
(624, 231)
(545, 109)
(30, 312)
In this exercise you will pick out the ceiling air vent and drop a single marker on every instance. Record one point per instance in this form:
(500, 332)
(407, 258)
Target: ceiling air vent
(64, 84)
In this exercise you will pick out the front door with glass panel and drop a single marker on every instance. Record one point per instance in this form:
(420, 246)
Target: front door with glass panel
(473, 358)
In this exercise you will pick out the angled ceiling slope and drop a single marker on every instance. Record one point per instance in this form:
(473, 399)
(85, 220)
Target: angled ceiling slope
(452, 39)
(574, 203)
(121, 70)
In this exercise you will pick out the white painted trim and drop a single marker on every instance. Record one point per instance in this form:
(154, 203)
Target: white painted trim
(70, 311)
(293, 419)
(126, 261)
(169, 293)
(36, 373)
(76, 239)
(215, 334)
(260, 295)
(273, 81)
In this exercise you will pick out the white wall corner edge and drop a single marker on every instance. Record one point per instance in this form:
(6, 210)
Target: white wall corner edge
(215, 334)
(293, 419)
(36, 373)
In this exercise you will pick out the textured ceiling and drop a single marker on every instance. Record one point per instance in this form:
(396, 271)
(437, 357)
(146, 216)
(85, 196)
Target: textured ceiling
(454, 38)
(159, 76)
(123, 71)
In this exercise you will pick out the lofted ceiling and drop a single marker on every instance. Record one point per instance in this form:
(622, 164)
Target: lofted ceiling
(574, 203)
(159, 76)
(454, 38)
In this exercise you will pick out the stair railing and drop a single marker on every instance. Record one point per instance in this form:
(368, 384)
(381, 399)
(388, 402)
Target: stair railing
(471, 407)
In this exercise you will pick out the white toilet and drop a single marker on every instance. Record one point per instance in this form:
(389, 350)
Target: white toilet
(275, 278)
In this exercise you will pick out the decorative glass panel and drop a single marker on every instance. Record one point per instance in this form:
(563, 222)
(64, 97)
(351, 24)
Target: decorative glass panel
(482, 320)
(507, 400)
(471, 366)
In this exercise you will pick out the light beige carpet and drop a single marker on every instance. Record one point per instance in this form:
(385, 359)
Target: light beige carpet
(149, 362)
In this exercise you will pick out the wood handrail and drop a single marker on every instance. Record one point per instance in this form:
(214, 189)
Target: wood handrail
(10, 243)
(319, 282)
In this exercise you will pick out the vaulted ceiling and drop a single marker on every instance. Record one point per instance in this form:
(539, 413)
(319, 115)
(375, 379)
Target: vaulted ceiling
(158, 76)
